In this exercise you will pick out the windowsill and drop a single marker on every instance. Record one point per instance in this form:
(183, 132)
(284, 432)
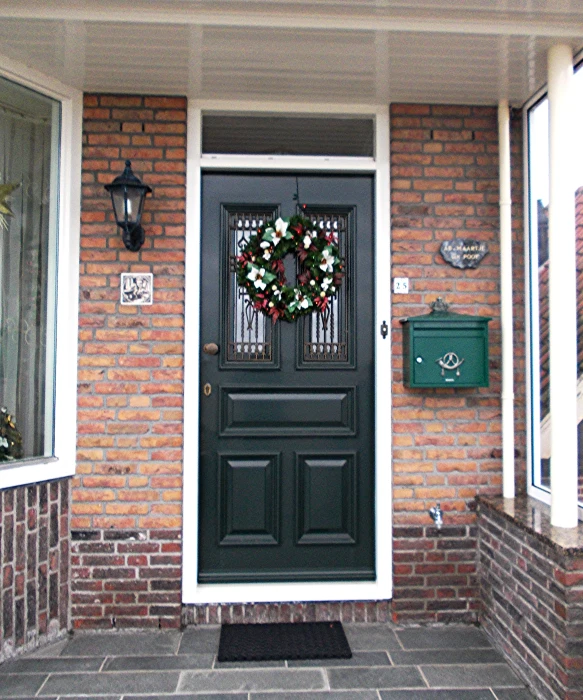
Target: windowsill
(26, 462)
(23, 472)
(534, 517)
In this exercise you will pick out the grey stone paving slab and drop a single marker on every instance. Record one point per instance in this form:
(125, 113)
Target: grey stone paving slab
(50, 649)
(513, 694)
(184, 662)
(66, 684)
(378, 677)
(123, 644)
(239, 680)
(319, 695)
(457, 637)
(371, 637)
(436, 695)
(359, 658)
(197, 696)
(92, 697)
(202, 640)
(446, 656)
(15, 685)
(471, 676)
(221, 665)
(52, 665)
(30, 697)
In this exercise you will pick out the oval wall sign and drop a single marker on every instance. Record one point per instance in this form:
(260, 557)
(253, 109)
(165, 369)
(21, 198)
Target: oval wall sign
(464, 252)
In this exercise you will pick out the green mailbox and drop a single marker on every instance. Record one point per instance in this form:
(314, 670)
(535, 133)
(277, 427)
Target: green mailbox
(443, 348)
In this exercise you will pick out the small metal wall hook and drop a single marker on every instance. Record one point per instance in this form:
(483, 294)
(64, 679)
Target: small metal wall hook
(437, 515)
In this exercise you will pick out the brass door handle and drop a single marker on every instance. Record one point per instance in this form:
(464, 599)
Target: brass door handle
(210, 348)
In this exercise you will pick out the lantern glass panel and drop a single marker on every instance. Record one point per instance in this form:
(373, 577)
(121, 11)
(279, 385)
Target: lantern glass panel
(134, 199)
(133, 195)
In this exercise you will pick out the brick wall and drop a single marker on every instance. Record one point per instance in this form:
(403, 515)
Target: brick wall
(532, 596)
(126, 559)
(34, 564)
(447, 442)
(346, 611)
(127, 498)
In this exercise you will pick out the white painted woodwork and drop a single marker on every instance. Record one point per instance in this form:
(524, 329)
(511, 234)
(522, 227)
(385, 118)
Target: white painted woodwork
(439, 52)
(381, 588)
(506, 301)
(69, 214)
(562, 289)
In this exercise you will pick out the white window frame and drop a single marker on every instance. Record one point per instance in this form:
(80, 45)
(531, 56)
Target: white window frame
(62, 462)
(381, 588)
(532, 325)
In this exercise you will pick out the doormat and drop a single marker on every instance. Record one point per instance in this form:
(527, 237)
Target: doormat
(283, 640)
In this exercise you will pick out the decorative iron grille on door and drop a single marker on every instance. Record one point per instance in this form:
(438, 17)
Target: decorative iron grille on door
(325, 337)
(250, 334)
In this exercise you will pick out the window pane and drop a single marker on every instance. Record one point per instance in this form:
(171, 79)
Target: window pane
(290, 136)
(29, 134)
(538, 125)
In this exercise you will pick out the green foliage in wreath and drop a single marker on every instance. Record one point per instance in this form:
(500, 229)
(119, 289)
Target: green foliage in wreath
(10, 438)
(260, 268)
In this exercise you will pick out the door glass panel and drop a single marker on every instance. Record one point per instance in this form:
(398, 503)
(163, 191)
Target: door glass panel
(325, 335)
(250, 333)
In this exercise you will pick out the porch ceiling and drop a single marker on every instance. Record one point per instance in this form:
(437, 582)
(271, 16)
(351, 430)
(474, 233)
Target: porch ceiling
(352, 51)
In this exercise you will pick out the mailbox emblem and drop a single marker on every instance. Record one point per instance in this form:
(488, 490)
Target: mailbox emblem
(450, 361)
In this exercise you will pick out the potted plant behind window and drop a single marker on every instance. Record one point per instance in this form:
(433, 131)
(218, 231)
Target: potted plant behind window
(10, 437)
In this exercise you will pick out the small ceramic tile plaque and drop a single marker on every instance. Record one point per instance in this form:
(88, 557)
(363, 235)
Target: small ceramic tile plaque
(137, 288)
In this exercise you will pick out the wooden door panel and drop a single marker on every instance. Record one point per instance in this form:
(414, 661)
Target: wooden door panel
(287, 430)
(327, 499)
(282, 412)
(249, 499)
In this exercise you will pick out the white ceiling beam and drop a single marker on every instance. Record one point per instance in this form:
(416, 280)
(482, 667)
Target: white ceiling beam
(302, 16)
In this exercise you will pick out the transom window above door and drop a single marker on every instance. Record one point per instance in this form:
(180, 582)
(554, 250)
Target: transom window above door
(301, 135)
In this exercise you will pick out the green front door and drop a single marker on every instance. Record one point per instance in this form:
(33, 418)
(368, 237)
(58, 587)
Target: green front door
(286, 410)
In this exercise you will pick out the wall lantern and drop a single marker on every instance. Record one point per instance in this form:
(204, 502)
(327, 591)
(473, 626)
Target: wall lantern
(128, 193)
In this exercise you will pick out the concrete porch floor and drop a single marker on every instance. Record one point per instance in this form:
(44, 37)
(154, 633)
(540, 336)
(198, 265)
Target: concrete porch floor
(389, 663)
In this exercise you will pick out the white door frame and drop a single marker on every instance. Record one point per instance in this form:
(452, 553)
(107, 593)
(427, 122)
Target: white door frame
(381, 588)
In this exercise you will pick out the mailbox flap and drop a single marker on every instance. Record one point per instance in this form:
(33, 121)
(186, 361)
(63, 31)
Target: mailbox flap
(448, 357)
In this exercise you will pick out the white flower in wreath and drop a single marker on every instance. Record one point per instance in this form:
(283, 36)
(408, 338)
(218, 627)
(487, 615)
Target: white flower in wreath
(281, 226)
(3, 442)
(276, 293)
(302, 302)
(256, 276)
(279, 232)
(328, 260)
(266, 245)
(308, 238)
(327, 281)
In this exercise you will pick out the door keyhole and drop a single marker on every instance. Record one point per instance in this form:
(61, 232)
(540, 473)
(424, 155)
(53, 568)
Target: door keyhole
(207, 389)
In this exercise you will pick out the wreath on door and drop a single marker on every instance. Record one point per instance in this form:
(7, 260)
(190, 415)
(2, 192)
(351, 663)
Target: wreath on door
(261, 272)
